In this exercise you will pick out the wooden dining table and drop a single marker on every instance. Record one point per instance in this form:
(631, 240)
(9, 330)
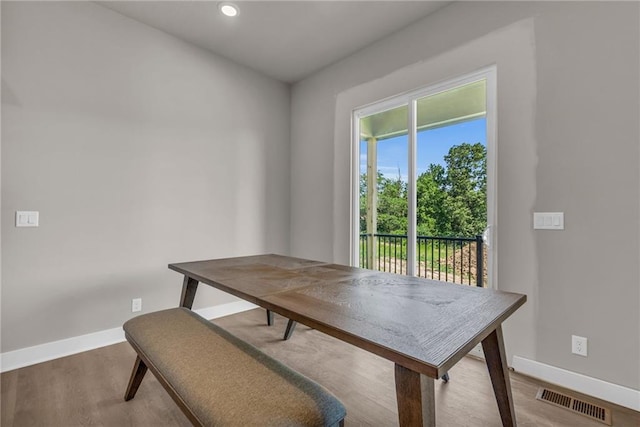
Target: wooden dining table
(423, 326)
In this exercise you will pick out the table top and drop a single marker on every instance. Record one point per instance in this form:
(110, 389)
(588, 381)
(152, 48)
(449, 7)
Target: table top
(424, 325)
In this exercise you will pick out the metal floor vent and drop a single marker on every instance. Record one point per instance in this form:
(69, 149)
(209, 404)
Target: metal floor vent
(578, 406)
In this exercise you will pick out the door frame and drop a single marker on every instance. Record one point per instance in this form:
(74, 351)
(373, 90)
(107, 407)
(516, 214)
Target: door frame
(489, 74)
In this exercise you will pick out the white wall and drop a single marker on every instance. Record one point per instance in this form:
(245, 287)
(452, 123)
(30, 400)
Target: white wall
(138, 150)
(576, 134)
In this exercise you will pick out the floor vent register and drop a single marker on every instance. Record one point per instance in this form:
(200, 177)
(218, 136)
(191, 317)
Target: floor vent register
(595, 412)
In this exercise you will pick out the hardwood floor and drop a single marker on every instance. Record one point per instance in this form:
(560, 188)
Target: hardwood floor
(87, 389)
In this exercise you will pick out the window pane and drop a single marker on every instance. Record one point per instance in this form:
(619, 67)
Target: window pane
(383, 190)
(451, 183)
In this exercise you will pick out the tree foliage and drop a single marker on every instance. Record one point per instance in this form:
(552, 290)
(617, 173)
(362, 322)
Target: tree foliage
(392, 205)
(451, 199)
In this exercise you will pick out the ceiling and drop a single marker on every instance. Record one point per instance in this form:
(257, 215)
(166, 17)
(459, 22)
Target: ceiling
(286, 40)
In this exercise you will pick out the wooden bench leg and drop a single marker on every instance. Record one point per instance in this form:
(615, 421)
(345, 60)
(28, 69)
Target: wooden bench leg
(139, 369)
(290, 327)
(269, 317)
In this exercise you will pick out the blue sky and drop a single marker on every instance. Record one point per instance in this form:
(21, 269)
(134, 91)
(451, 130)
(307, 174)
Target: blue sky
(433, 145)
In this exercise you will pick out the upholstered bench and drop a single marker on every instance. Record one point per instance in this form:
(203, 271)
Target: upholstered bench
(218, 379)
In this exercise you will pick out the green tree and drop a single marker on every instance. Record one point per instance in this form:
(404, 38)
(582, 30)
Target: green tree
(363, 203)
(451, 199)
(391, 208)
(466, 185)
(431, 197)
(392, 205)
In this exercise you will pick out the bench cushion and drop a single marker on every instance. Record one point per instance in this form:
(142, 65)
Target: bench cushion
(224, 380)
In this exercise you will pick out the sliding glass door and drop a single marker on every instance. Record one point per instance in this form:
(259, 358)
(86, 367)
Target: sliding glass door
(424, 181)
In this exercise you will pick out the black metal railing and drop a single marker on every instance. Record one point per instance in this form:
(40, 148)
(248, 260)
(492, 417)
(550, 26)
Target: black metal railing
(451, 259)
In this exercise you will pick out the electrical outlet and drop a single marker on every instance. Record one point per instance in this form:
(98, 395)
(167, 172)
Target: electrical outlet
(578, 345)
(136, 305)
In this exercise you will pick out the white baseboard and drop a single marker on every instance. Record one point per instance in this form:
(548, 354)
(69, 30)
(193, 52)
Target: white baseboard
(225, 309)
(623, 396)
(53, 350)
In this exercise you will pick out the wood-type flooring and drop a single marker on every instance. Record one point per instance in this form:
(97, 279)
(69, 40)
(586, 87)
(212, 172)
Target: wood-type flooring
(87, 389)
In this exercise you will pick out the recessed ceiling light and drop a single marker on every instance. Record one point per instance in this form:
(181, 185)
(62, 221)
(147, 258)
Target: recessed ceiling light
(229, 9)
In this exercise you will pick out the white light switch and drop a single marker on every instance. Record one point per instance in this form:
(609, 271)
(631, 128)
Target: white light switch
(27, 218)
(548, 220)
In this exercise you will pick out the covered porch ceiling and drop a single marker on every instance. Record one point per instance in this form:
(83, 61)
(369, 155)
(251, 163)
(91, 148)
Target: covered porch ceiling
(445, 108)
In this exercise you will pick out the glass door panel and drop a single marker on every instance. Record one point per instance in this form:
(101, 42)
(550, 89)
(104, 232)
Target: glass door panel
(451, 184)
(383, 190)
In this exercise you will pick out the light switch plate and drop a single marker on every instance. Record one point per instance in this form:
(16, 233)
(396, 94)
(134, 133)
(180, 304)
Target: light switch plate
(27, 218)
(548, 220)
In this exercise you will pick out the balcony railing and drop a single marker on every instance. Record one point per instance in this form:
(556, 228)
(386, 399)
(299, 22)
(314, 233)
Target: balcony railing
(451, 259)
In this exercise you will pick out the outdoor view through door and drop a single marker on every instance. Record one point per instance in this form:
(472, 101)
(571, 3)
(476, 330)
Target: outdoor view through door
(423, 182)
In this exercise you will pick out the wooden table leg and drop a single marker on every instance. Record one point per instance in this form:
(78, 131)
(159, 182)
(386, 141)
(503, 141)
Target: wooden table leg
(291, 325)
(496, 359)
(269, 318)
(416, 398)
(189, 288)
